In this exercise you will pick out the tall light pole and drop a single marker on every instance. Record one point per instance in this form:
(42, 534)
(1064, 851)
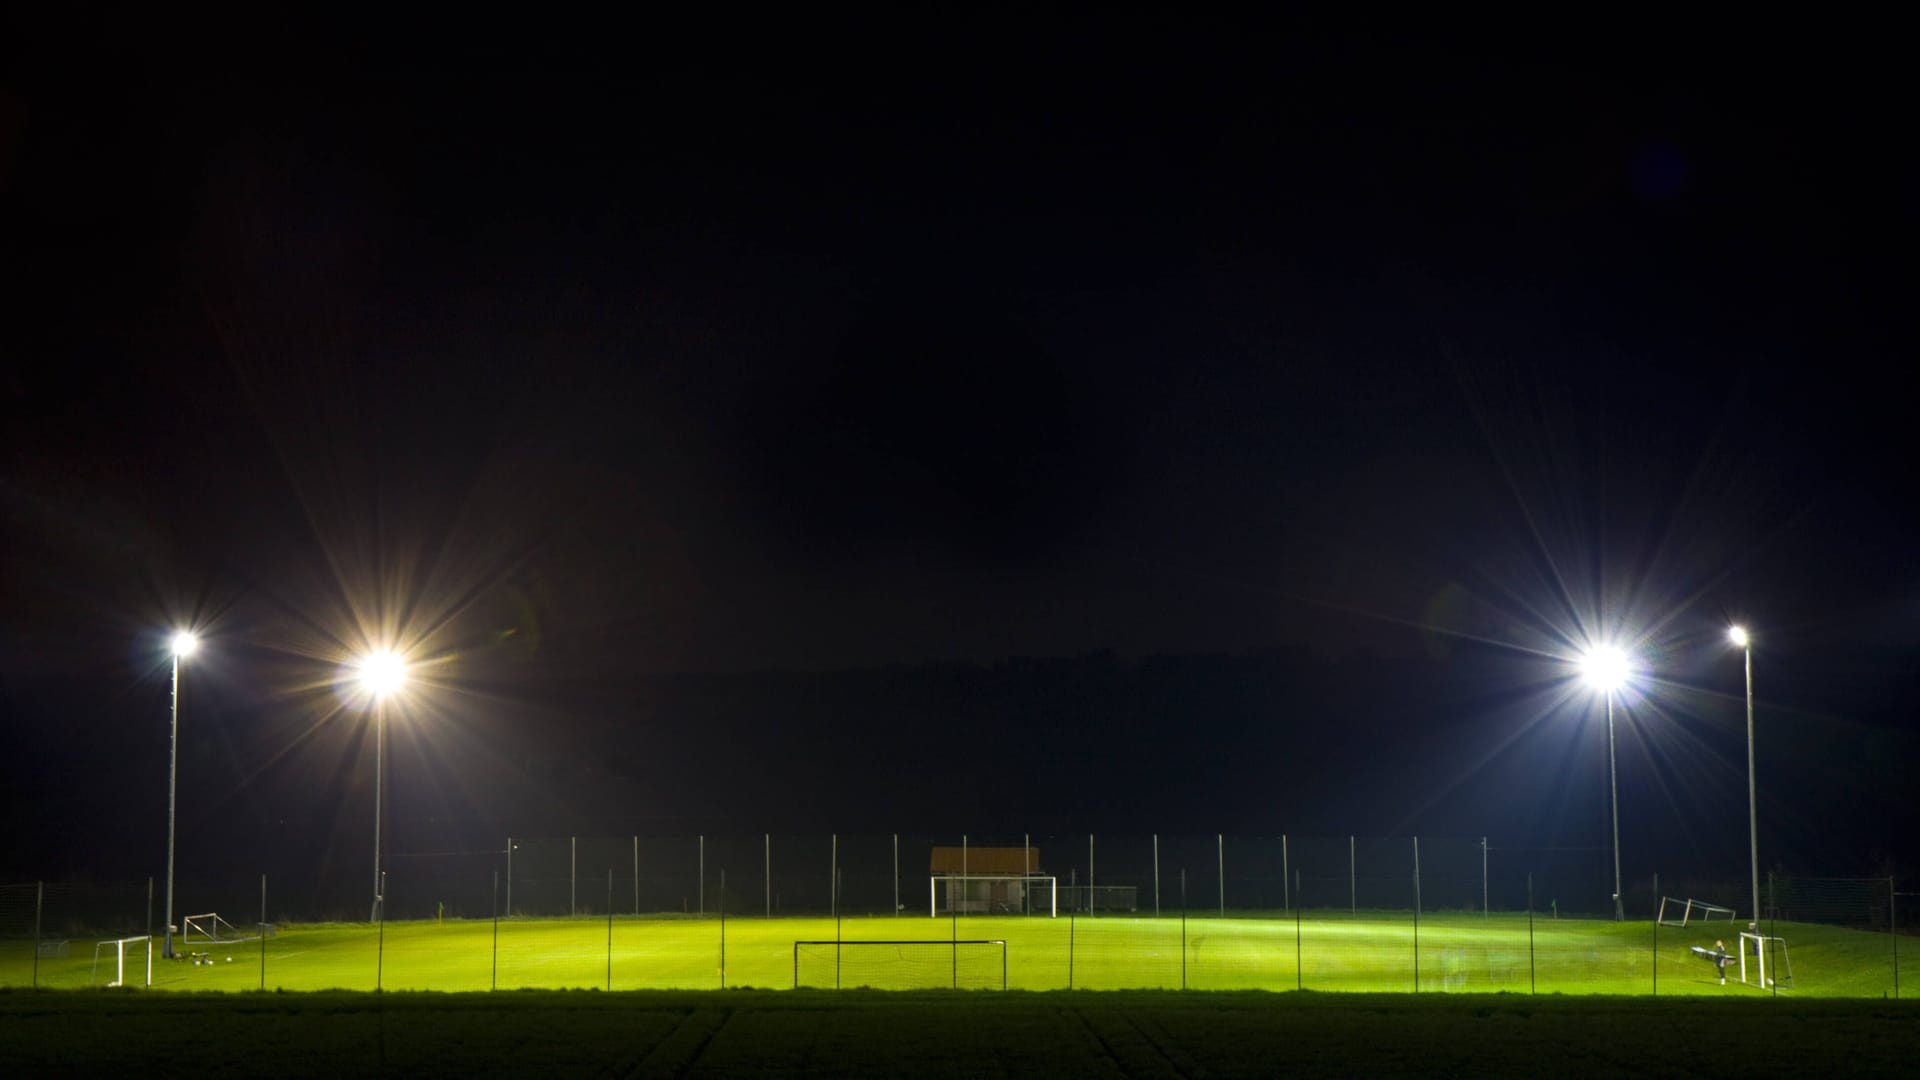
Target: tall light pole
(381, 674)
(1605, 668)
(183, 644)
(1738, 635)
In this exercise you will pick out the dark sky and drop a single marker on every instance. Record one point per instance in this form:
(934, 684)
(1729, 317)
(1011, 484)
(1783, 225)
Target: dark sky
(578, 361)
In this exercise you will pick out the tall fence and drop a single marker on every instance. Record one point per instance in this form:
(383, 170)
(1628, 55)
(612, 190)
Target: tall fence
(1073, 911)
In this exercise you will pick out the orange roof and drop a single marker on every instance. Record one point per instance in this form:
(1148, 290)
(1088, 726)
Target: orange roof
(985, 860)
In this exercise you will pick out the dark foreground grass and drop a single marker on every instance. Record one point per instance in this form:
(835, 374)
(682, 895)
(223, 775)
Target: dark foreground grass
(1126, 1034)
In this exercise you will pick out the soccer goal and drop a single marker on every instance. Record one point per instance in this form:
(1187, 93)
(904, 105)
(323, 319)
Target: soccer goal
(1675, 912)
(117, 952)
(1770, 960)
(900, 965)
(210, 929)
(992, 894)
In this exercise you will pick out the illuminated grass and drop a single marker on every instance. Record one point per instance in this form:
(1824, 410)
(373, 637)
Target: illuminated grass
(1332, 952)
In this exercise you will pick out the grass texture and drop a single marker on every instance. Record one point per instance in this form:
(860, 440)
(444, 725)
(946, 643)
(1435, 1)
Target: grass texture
(1377, 953)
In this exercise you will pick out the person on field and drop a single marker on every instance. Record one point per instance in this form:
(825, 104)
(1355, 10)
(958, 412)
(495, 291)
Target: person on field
(1717, 956)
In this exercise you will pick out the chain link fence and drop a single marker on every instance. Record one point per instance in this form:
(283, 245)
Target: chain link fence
(1341, 913)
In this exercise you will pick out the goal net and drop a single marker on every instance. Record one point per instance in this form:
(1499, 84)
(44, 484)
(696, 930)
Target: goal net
(900, 965)
(1675, 912)
(1769, 957)
(114, 957)
(992, 894)
(1087, 899)
(210, 929)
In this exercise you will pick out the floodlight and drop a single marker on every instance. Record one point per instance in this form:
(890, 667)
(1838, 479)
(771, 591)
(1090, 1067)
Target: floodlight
(1738, 635)
(382, 673)
(1604, 667)
(183, 643)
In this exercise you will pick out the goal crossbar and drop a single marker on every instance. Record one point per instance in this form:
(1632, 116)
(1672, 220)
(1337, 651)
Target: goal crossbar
(1019, 894)
(120, 947)
(1764, 946)
(211, 929)
(1677, 912)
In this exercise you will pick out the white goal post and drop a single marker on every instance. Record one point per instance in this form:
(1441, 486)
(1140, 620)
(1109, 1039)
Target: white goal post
(210, 929)
(1676, 912)
(993, 894)
(1766, 949)
(120, 947)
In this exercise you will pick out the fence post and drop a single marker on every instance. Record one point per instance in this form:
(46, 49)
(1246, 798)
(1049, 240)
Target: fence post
(833, 890)
(380, 950)
(953, 954)
(1026, 868)
(39, 897)
(150, 906)
(1773, 902)
(953, 914)
(1416, 914)
(1299, 969)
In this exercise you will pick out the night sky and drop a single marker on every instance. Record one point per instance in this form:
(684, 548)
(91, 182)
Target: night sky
(987, 422)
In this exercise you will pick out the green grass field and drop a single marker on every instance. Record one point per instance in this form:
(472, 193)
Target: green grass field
(1343, 953)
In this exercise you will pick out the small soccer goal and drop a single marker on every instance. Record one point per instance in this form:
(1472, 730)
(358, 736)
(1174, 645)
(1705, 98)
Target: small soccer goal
(117, 953)
(900, 965)
(992, 894)
(210, 929)
(1771, 963)
(1676, 912)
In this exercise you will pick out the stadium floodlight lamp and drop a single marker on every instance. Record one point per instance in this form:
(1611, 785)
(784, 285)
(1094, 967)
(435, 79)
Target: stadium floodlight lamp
(1604, 667)
(1738, 635)
(182, 644)
(382, 673)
